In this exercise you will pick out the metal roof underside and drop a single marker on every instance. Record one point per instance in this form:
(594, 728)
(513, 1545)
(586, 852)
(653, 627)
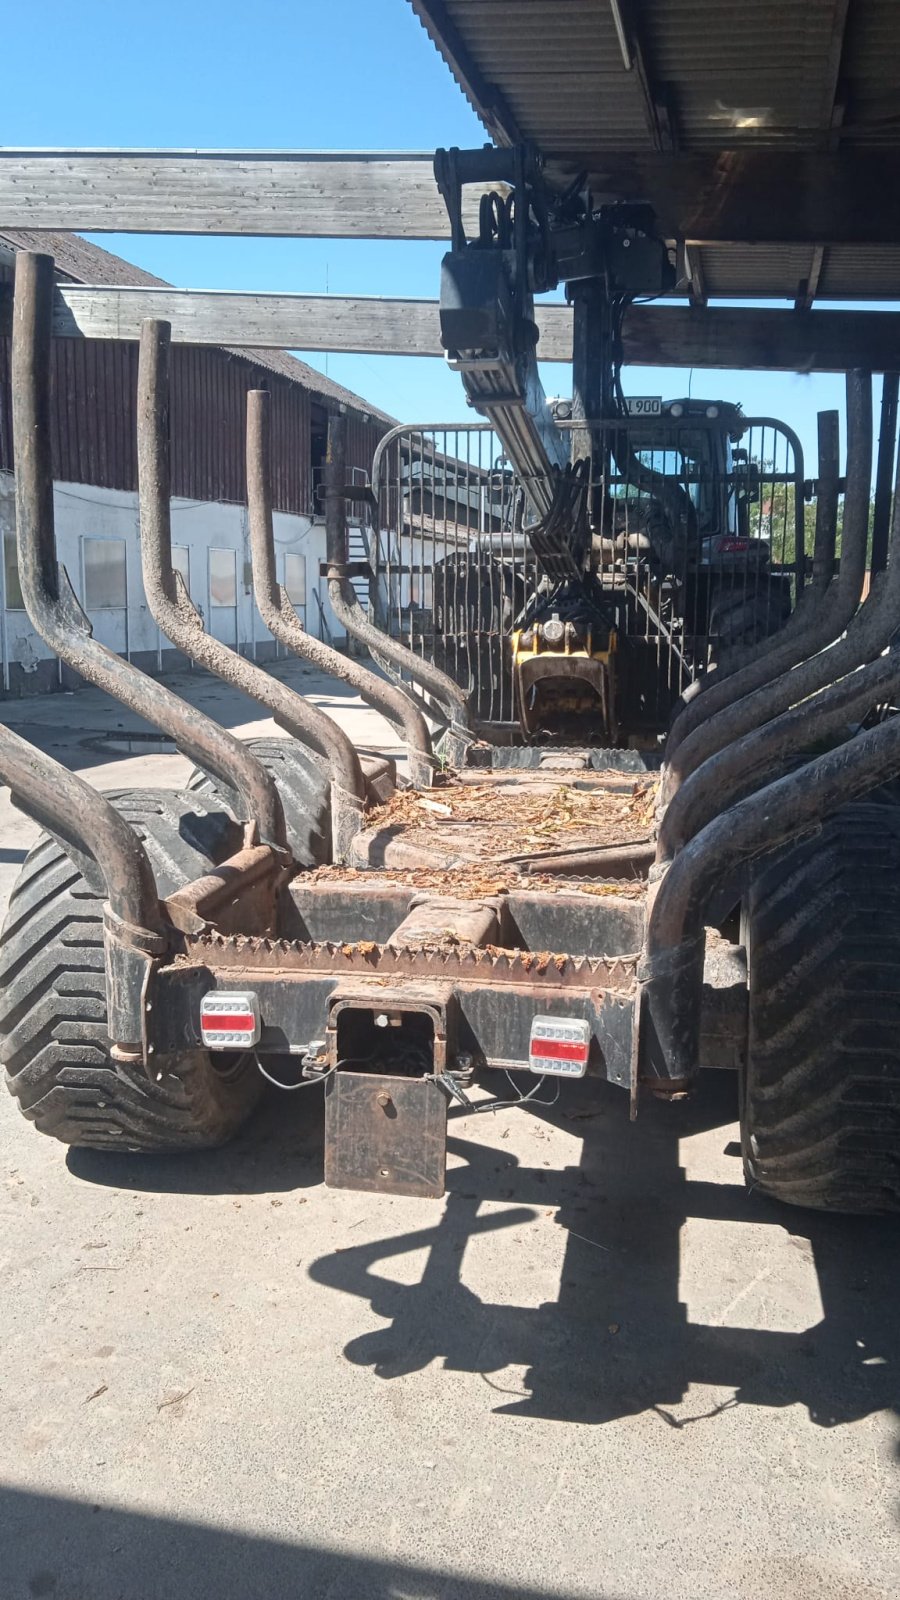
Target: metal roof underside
(767, 132)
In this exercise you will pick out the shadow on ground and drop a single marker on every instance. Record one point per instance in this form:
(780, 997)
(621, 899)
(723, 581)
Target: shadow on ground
(71, 1550)
(274, 1153)
(616, 1341)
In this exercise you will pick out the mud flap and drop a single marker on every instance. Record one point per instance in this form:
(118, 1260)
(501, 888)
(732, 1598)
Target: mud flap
(385, 1133)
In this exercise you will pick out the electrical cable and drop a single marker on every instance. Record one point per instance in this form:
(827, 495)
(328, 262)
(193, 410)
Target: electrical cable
(456, 1092)
(305, 1083)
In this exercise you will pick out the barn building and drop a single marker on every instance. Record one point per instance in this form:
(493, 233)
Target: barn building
(95, 482)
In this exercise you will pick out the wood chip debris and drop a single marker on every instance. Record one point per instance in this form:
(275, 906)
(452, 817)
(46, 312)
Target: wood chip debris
(472, 881)
(533, 814)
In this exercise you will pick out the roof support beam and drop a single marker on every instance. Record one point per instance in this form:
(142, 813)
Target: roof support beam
(695, 282)
(654, 335)
(633, 59)
(754, 196)
(850, 196)
(808, 287)
(832, 117)
(301, 194)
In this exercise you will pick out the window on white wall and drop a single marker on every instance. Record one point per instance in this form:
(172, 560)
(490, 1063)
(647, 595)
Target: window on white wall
(105, 579)
(421, 589)
(295, 578)
(181, 562)
(14, 601)
(222, 578)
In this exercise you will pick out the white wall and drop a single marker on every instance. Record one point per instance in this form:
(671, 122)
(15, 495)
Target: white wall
(83, 512)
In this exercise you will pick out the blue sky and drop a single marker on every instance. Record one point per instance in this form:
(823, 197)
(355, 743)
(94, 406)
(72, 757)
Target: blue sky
(346, 74)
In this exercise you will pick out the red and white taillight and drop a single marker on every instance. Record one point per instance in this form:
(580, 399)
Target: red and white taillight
(560, 1045)
(229, 1021)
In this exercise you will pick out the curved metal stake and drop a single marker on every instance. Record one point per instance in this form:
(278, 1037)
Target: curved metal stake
(179, 620)
(49, 599)
(822, 618)
(134, 927)
(283, 623)
(827, 693)
(671, 969)
(348, 610)
(869, 629)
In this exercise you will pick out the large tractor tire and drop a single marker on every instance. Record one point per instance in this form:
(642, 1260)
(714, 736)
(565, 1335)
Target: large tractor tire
(53, 1035)
(820, 1103)
(741, 616)
(304, 793)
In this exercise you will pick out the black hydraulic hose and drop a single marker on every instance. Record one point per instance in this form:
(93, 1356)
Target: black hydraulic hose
(47, 594)
(282, 621)
(79, 813)
(179, 620)
(869, 631)
(671, 969)
(819, 623)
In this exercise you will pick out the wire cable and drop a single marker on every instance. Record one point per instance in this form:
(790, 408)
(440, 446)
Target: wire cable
(305, 1083)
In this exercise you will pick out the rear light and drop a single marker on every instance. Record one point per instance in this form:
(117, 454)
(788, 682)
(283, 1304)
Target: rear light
(732, 547)
(229, 1021)
(560, 1045)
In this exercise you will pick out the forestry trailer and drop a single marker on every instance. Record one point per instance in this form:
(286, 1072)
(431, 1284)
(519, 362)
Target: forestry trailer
(646, 823)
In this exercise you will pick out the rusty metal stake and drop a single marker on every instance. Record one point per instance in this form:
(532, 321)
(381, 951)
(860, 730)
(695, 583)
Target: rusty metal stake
(49, 598)
(135, 930)
(283, 623)
(348, 610)
(180, 621)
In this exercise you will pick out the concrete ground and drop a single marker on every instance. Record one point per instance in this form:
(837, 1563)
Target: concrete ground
(597, 1369)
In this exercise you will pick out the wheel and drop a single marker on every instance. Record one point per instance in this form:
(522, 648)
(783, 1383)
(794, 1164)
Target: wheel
(53, 1039)
(820, 1097)
(304, 795)
(741, 615)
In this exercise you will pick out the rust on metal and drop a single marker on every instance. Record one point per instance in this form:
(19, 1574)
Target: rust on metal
(49, 599)
(545, 969)
(385, 1134)
(63, 801)
(282, 621)
(438, 920)
(175, 614)
(237, 896)
(347, 608)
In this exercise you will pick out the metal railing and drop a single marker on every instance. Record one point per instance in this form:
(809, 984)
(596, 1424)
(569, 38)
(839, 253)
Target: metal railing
(693, 551)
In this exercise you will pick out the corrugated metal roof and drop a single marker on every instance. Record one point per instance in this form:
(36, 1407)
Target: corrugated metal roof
(80, 261)
(723, 75)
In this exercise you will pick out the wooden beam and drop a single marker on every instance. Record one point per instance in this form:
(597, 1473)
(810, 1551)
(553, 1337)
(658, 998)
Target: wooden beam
(741, 338)
(831, 116)
(654, 335)
(301, 194)
(850, 196)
